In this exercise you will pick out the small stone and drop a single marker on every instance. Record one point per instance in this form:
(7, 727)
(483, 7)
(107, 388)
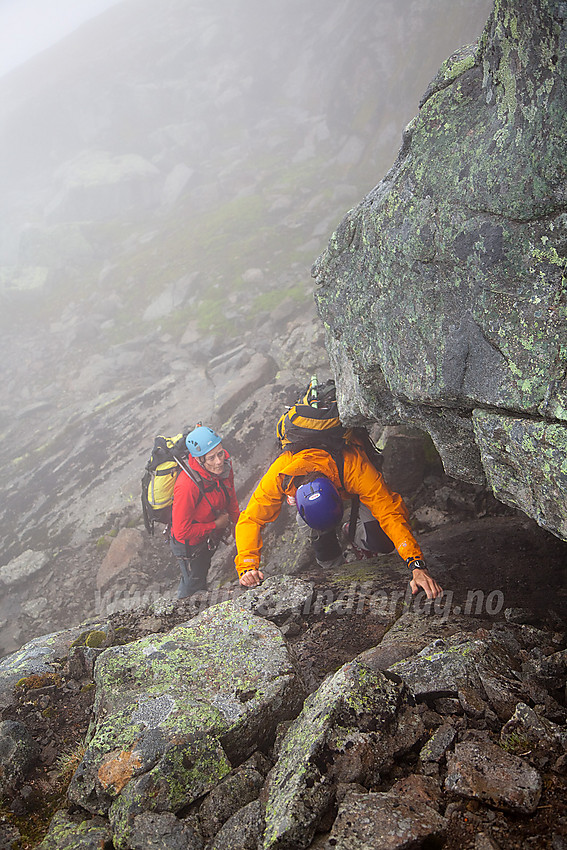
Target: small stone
(424, 789)
(435, 749)
(154, 831)
(447, 706)
(483, 841)
(258, 761)
(367, 821)
(484, 772)
(9, 837)
(22, 567)
(471, 702)
(17, 752)
(239, 788)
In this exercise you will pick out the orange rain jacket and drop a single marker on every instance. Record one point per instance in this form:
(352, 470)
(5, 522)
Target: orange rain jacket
(360, 477)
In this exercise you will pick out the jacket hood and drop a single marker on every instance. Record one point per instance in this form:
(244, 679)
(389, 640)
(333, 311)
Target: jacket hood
(306, 461)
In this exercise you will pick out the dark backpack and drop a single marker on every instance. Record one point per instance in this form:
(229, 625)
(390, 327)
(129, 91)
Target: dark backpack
(313, 422)
(166, 461)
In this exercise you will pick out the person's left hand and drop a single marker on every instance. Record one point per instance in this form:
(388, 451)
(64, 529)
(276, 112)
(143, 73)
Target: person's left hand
(422, 579)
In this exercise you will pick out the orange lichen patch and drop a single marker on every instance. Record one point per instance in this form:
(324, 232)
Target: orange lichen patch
(118, 771)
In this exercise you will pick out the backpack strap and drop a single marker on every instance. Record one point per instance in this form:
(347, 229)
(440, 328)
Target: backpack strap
(198, 481)
(339, 459)
(354, 510)
(337, 456)
(195, 478)
(148, 521)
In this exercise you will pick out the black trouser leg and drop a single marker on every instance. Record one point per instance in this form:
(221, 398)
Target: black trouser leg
(326, 547)
(369, 535)
(194, 563)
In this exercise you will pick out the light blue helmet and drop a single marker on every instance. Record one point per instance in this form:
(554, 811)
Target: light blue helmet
(201, 440)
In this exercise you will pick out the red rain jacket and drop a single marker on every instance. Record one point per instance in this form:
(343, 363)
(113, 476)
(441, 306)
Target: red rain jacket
(194, 513)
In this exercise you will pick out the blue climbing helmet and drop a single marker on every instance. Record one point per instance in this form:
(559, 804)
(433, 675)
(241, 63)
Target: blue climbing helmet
(319, 504)
(201, 440)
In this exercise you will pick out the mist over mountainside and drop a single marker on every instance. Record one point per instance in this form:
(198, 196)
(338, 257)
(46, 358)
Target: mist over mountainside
(169, 174)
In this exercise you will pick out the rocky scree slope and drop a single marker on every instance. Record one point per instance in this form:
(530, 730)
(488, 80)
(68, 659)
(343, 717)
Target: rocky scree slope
(168, 177)
(206, 727)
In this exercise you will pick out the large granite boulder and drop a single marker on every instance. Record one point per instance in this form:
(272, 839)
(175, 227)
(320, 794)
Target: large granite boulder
(453, 667)
(175, 713)
(443, 293)
(37, 662)
(348, 732)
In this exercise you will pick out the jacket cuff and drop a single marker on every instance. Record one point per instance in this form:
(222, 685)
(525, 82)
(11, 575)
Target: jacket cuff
(245, 565)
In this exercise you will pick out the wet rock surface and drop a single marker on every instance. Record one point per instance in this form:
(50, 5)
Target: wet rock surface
(483, 771)
(348, 731)
(147, 289)
(367, 821)
(174, 713)
(423, 722)
(366, 759)
(463, 243)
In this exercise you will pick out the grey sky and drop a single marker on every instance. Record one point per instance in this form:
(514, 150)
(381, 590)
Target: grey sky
(29, 26)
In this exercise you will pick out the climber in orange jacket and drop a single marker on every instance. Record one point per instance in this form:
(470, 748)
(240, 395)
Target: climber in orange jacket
(311, 479)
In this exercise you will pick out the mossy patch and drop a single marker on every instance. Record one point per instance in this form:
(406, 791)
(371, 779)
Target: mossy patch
(37, 680)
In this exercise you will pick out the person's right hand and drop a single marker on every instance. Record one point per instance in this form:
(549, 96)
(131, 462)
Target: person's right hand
(222, 522)
(251, 578)
(422, 579)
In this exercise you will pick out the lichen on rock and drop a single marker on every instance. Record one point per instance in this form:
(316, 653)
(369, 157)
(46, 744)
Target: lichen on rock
(174, 713)
(347, 732)
(444, 292)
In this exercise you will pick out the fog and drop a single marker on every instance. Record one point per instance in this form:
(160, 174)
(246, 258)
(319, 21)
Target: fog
(30, 26)
(169, 173)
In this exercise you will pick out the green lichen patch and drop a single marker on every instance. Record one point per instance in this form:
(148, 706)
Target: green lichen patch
(355, 707)
(526, 463)
(95, 639)
(67, 832)
(175, 711)
(445, 290)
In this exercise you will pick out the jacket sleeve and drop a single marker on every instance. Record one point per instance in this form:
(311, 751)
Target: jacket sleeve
(264, 507)
(387, 507)
(183, 515)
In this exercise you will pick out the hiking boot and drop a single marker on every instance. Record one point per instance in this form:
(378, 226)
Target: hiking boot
(332, 564)
(361, 554)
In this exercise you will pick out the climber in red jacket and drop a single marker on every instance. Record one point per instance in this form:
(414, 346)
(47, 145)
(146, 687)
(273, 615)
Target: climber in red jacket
(204, 507)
